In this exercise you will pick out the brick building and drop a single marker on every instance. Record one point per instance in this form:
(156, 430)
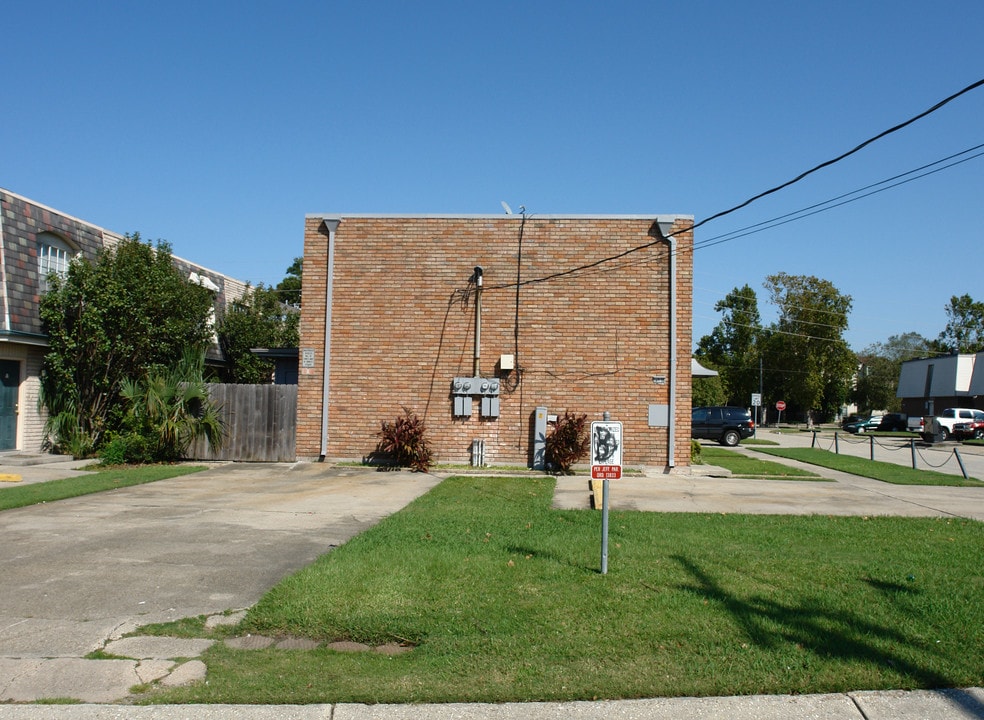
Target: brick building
(35, 241)
(578, 313)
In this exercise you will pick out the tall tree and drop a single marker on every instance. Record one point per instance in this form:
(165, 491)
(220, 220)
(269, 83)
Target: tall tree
(808, 360)
(129, 313)
(964, 332)
(880, 367)
(289, 289)
(732, 347)
(258, 319)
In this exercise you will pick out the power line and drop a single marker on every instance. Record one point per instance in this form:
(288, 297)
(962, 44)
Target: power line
(829, 204)
(754, 198)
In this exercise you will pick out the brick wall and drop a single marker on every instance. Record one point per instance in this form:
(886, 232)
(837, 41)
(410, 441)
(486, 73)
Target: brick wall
(403, 326)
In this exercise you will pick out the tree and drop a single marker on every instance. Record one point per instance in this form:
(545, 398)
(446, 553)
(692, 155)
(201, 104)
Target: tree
(258, 319)
(880, 367)
(128, 314)
(964, 332)
(732, 347)
(809, 363)
(708, 391)
(878, 379)
(289, 289)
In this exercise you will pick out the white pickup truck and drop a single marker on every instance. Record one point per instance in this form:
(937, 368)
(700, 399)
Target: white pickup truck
(941, 426)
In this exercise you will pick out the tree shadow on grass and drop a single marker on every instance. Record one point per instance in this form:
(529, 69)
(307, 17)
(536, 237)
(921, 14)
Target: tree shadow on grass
(837, 635)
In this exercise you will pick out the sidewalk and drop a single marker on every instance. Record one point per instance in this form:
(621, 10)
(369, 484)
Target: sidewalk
(892, 705)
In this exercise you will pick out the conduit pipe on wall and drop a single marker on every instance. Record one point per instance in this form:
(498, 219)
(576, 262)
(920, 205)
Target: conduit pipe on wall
(331, 226)
(476, 365)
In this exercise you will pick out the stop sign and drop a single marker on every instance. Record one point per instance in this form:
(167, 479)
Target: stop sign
(780, 405)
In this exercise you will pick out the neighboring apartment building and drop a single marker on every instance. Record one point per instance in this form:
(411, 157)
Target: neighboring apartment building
(927, 386)
(35, 241)
(391, 319)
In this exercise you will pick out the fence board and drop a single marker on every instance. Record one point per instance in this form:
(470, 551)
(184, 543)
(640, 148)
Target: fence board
(260, 423)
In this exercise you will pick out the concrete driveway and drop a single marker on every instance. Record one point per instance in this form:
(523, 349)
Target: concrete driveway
(79, 572)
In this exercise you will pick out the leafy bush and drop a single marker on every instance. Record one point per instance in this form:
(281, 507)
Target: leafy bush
(403, 443)
(695, 458)
(129, 448)
(568, 442)
(167, 412)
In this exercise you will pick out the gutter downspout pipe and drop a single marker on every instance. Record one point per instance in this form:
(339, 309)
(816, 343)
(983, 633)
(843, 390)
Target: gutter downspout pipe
(331, 226)
(665, 229)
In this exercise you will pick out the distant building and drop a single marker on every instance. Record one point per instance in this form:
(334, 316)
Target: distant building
(930, 385)
(36, 241)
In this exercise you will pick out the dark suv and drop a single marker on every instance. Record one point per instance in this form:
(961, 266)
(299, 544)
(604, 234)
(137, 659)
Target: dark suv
(727, 425)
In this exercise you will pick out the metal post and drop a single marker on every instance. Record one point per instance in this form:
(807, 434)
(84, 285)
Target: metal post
(960, 463)
(871, 442)
(813, 442)
(836, 445)
(604, 527)
(912, 448)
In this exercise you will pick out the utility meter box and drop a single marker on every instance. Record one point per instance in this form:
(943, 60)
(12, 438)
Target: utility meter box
(464, 389)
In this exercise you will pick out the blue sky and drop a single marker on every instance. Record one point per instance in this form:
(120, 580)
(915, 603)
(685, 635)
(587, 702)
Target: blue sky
(218, 126)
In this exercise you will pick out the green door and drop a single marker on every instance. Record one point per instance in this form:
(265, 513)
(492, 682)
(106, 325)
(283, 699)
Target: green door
(9, 384)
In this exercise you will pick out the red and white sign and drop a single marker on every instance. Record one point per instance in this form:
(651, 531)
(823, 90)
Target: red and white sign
(780, 405)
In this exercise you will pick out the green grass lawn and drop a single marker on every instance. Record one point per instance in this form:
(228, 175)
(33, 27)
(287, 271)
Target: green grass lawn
(742, 465)
(501, 599)
(886, 472)
(104, 479)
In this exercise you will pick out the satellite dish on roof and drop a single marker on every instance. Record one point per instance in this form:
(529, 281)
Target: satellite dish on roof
(505, 206)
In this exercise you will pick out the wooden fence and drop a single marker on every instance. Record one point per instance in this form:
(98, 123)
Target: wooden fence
(260, 423)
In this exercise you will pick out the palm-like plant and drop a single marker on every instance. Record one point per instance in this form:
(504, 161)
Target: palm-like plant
(173, 409)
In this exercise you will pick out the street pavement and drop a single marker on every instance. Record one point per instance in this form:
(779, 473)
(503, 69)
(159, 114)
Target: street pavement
(79, 574)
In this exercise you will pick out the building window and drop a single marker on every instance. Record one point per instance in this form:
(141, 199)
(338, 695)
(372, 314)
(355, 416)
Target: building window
(53, 256)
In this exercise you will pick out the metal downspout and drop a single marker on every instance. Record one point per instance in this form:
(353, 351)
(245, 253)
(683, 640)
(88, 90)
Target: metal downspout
(671, 445)
(332, 227)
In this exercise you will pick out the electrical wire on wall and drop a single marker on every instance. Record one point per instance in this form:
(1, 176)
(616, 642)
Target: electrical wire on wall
(513, 380)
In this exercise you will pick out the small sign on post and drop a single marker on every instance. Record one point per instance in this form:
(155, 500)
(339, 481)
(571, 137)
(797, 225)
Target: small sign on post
(606, 464)
(780, 406)
(606, 450)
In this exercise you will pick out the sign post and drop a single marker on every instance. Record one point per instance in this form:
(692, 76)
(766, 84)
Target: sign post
(780, 406)
(606, 464)
(757, 404)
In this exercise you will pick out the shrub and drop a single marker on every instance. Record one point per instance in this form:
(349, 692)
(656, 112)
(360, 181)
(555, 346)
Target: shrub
(403, 443)
(568, 442)
(695, 458)
(126, 449)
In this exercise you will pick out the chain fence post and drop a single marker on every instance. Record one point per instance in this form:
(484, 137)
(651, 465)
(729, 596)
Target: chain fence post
(912, 448)
(960, 463)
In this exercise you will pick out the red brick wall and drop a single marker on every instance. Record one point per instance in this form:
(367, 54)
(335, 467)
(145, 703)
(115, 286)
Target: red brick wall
(403, 327)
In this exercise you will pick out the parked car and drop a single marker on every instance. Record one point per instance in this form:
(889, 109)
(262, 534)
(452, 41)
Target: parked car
(894, 422)
(915, 424)
(941, 426)
(974, 429)
(872, 423)
(727, 425)
(850, 419)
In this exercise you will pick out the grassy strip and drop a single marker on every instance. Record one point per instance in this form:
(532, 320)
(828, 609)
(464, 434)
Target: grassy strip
(886, 472)
(501, 600)
(108, 479)
(742, 465)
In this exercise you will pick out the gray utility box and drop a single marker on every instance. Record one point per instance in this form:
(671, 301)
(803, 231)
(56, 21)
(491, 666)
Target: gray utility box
(464, 389)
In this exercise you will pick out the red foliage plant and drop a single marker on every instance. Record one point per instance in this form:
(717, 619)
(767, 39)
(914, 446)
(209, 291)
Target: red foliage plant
(403, 442)
(568, 442)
